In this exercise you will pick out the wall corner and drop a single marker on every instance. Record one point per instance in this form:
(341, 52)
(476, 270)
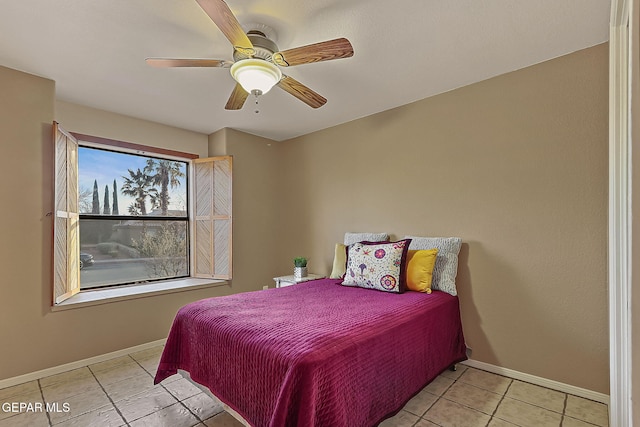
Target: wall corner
(217, 144)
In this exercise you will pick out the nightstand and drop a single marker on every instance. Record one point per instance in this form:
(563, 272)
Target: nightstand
(283, 281)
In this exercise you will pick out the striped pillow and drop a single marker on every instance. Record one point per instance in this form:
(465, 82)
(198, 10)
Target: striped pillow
(351, 238)
(446, 268)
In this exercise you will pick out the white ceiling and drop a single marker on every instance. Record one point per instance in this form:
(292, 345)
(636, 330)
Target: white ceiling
(405, 50)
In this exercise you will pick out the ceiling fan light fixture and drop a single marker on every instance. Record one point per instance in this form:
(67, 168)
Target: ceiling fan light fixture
(256, 75)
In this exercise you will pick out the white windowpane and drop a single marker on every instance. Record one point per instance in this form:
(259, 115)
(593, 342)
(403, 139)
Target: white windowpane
(135, 251)
(113, 183)
(123, 236)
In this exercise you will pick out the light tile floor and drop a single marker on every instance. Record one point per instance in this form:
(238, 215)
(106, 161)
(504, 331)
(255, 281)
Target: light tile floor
(120, 392)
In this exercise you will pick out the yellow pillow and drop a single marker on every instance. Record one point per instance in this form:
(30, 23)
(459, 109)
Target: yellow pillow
(420, 269)
(339, 262)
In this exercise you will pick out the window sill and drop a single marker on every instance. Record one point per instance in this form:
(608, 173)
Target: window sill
(105, 296)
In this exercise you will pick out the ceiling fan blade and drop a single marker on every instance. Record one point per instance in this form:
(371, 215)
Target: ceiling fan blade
(237, 98)
(323, 51)
(175, 62)
(303, 93)
(222, 16)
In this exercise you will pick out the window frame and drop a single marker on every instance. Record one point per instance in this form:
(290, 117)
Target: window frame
(112, 147)
(66, 186)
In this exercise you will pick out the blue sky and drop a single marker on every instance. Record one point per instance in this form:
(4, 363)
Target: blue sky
(105, 166)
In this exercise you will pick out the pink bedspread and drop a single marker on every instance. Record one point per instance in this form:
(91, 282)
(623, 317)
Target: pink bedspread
(317, 353)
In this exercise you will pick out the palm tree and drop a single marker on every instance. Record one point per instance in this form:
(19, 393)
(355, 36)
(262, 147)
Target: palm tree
(139, 185)
(167, 174)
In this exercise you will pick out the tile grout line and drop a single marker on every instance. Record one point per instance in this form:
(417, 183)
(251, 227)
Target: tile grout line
(152, 379)
(421, 417)
(171, 394)
(455, 380)
(462, 382)
(201, 421)
(564, 409)
(502, 395)
(495, 410)
(493, 414)
(45, 402)
(107, 394)
(564, 412)
(566, 396)
(438, 399)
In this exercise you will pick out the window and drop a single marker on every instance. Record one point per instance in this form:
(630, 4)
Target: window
(133, 218)
(127, 215)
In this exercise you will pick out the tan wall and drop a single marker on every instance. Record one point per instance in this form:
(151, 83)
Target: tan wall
(26, 114)
(255, 207)
(33, 337)
(517, 167)
(95, 122)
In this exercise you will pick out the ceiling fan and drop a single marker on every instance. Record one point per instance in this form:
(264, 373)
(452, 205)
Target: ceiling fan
(256, 59)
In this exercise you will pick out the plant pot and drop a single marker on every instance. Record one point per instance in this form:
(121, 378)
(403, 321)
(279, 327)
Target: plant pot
(299, 272)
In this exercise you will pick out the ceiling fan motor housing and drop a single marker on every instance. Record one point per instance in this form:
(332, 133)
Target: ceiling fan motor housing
(263, 47)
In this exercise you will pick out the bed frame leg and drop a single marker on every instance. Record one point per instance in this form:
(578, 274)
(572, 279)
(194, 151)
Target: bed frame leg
(453, 368)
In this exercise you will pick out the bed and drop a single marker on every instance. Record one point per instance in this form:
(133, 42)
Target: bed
(317, 353)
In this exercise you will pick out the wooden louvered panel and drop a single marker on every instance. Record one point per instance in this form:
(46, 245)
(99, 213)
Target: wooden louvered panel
(222, 247)
(203, 249)
(60, 269)
(66, 241)
(203, 189)
(222, 188)
(212, 236)
(61, 177)
(73, 258)
(72, 178)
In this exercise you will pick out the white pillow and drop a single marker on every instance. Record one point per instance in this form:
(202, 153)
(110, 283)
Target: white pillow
(446, 268)
(351, 238)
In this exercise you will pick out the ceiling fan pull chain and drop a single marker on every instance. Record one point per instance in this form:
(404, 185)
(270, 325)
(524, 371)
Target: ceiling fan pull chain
(256, 93)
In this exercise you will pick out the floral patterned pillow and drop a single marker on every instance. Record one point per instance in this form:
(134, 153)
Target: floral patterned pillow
(376, 265)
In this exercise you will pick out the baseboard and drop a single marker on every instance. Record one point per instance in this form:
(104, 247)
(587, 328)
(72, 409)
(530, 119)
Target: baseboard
(77, 364)
(543, 382)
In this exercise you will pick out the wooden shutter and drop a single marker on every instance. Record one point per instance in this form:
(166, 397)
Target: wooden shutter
(213, 219)
(66, 244)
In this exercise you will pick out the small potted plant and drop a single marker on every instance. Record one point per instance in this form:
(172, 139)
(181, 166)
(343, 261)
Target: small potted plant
(300, 268)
